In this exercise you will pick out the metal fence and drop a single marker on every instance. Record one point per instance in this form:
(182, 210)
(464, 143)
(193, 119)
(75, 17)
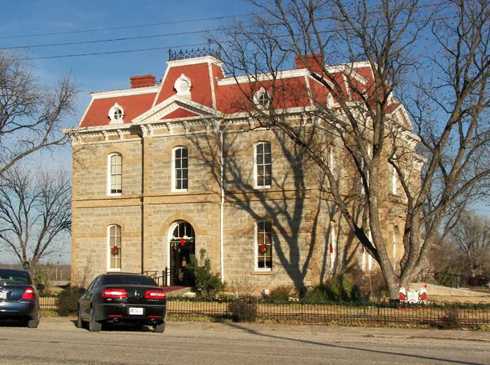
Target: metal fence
(252, 309)
(345, 314)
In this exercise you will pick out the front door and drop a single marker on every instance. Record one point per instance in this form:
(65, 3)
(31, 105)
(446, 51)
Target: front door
(182, 251)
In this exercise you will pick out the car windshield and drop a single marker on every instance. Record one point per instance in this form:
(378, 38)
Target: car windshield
(9, 277)
(128, 279)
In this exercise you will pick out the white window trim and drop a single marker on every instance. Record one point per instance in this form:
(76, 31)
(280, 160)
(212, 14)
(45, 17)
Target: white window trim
(256, 98)
(256, 185)
(109, 175)
(256, 249)
(394, 181)
(108, 245)
(178, 86)
(111, 114)
(331, 160)
(174, 176)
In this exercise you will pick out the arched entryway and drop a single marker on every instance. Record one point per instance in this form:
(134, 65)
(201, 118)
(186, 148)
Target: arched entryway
(182, 247)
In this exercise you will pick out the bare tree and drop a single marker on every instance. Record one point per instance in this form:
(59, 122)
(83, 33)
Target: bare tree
(471, 237)
(30, 115)
(34, 213)
(448, 104)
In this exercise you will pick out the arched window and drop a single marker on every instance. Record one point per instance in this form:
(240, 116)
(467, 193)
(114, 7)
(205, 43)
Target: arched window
(114, 181)
(114, 240)
(180, 169)
(263, 165)
(394, 180)
(116, 114)
(183, 230)
(263, 243)
(262, 99)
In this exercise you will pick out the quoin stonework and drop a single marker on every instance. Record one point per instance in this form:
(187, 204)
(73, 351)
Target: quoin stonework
(164, 171)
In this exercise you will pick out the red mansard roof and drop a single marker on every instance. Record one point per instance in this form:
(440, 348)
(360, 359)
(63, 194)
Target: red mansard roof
(212, 93)
(133, 106)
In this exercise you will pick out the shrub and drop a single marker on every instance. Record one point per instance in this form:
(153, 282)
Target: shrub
(451, 319)
(205, 282)
(316, 295)
(244, 309)
(67, 301)
(339, 289)
(279, 294)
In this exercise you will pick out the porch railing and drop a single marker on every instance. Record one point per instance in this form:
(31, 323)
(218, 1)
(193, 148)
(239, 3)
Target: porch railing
(166, 277)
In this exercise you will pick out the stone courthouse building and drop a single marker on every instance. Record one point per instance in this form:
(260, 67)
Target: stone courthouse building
(165, 170)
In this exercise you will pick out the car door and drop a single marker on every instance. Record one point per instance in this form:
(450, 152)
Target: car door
(85, 299)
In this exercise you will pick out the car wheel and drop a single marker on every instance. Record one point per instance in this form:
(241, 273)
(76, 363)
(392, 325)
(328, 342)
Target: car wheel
(93, 325)
(33, 322)
(159, 328)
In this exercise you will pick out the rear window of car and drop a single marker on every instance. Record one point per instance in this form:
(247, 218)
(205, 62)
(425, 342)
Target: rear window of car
(9, 277)
(127, 279)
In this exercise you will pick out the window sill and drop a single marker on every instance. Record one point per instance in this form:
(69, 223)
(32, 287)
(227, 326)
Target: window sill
(114, 195)
(113, 270)
(265, 187)
(262, 272)
(180, 190)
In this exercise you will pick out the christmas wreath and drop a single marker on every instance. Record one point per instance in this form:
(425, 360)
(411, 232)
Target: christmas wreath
(178, 243)
(262, 248)
(114, 250)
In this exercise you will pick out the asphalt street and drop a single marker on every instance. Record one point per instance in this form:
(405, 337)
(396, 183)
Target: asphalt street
(58, 341)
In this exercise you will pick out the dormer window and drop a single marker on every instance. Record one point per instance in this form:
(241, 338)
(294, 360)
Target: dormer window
(183, 86)
(116, 113)
(262, 99)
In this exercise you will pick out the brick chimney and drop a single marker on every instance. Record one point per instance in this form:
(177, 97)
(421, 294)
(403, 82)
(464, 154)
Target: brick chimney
(313, 62)
(142, 81)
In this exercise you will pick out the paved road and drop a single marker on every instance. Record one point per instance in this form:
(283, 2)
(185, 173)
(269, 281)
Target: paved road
(57, 341)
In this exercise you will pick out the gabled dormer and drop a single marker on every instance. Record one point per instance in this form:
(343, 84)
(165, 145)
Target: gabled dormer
(192, 75)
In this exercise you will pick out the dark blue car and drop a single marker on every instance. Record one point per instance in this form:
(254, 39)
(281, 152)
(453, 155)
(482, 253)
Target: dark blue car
(18, 297)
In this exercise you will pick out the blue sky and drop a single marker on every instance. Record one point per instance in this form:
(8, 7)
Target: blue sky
(27, 22)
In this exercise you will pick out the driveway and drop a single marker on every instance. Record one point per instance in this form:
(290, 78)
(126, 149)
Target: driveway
(58, 341)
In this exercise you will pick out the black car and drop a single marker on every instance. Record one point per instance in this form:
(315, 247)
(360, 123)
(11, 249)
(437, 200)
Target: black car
(122, 297)
(18, 297)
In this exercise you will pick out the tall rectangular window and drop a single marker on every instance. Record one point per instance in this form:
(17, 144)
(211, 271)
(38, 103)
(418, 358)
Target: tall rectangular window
(114, 247)
(115, 174)
(263, 165)
(264, 246)
(181, 169)
(394, 181)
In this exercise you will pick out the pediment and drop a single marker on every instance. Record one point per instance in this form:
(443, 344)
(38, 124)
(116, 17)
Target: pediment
(175, 108)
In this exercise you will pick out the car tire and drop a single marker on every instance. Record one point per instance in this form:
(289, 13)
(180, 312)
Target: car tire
(79, 320)
(93, 325)
(159, 328)
(33, 322)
